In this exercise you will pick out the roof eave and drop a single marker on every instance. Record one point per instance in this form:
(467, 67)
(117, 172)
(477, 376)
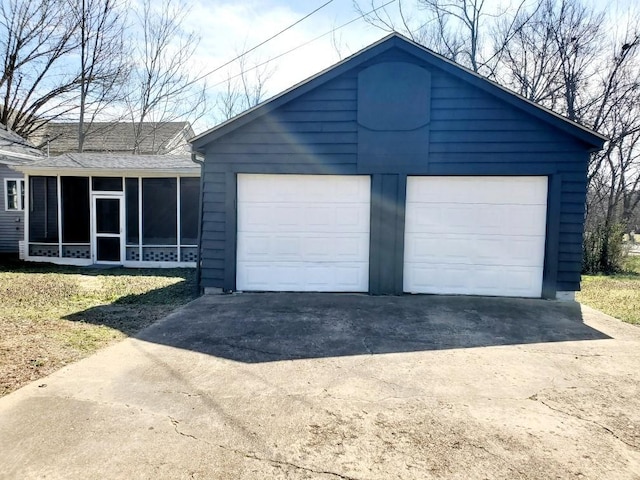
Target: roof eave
(123, 172)
(20, 156)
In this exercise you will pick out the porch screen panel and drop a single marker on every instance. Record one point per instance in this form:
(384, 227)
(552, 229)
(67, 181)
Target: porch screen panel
(75, 210)
(107, 184)
(43, 209)
(131, 199)
(189, 202)
(159, 211)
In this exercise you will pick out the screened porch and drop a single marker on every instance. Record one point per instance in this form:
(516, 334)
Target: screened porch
(124, 220)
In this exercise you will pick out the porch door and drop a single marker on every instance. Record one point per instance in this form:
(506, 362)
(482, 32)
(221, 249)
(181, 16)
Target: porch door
(108, 214)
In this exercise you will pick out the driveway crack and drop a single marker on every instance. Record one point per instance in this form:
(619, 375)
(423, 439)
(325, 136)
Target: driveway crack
(254, 456)
(588, 420)
(264, 352)
(498, 457)
(175, 426)
(284, 463)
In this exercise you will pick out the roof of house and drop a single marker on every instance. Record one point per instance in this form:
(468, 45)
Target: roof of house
(15, 150)
(395, 40)
(101, 162)
(155, 137)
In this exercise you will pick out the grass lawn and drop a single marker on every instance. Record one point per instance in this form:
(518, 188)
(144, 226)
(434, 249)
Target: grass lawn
(617, 295)
(51, 316)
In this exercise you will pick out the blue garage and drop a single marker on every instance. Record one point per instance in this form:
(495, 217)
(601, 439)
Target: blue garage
(395, 171)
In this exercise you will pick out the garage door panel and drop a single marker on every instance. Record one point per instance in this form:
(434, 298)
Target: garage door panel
(483, 219)
(254, 246)
(275, 217)
(475, 249)
(522, 219)
(301, 247)
(303, 233)
(475, 235)
(295, 188)
(293, 276)
(490, 190)
(475, 280)
(347, 248)
(436, 248)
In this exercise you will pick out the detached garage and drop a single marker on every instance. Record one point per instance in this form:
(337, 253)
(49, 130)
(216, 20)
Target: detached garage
(395, 171)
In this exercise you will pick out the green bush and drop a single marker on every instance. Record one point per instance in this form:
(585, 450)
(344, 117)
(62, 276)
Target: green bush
(603, 249)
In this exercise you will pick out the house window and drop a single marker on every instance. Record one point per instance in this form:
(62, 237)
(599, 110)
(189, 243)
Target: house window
(14, 194)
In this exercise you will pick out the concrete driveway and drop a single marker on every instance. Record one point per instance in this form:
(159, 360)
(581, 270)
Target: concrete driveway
(257, 386)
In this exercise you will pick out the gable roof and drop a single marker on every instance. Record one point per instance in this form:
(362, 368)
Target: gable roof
(395, 40)
(89, 163)
(15, 150)
(156, 138)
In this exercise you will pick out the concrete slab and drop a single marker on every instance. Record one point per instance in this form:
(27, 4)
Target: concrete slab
(257, 386)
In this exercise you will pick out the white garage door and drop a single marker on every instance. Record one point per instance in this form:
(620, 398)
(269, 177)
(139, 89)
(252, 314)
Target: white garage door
(303, 233)
(475, 235)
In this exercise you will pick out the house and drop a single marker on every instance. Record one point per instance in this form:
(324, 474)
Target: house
(146, 138)
(108, 205)
(113, 209)
(394, 171)
(14, 150)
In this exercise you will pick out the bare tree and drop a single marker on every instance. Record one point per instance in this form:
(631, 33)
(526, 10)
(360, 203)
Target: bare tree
(456, 29)
(165, 88)
(552, 55)
(530, 65)
(103, 59)
(395, 18)
(35, 40)
(244, 89)
(338, 45)
(567, 59)
(229, 99)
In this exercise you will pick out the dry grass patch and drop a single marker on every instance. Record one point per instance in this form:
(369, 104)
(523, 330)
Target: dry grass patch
(51, 316)
(616, 295)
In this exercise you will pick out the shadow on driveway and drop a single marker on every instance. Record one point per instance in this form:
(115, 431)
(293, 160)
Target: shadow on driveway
(265, 327)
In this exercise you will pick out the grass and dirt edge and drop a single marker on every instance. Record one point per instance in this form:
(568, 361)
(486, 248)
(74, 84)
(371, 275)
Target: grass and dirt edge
(51, 316)
(617, 294)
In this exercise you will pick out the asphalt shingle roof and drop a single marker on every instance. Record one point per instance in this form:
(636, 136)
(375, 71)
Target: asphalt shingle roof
(106, 161)
(12, 143)
(156, 138)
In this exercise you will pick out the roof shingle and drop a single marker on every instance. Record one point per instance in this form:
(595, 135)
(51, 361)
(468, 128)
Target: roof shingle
(123, 162)
(16, 150)
(155, 138)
